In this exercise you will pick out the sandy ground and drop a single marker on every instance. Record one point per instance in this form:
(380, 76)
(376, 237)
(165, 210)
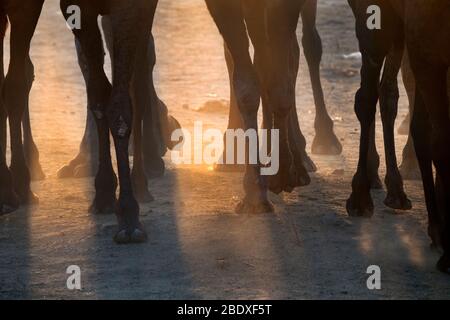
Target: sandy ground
(198, 247)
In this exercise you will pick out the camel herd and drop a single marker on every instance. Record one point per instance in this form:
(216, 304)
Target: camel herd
(413, 34)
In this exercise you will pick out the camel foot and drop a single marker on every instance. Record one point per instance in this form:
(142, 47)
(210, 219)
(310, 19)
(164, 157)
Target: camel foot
(326, 145)
(9, 200)
(252, 206)
(289, 176)
(126, 236)
(103, 204)
(80, 167)
(397, 200)
(359, 208)
(130, 228)
(80, 171)
(360, 203)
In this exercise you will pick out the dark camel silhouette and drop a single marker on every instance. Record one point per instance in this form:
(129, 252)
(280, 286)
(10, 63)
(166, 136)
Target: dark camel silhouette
(409, 167)
(325, 141)
(157, 124)
(425, 27)
(379, 47)
(271, 26)
(427, 33)
(23, 16)
(131, 24)
(30, 150)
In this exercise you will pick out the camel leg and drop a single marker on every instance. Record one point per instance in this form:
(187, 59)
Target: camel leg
(142, 99)
(229, 19)
(9, 200)
(154, 147)
(16, 93)
(389, 95)
(99, 91)
(297, 141)
(410, 86)
(421, 134)
(409, 168)
(282, 19)
(325, 141)
(3, 115)
(130, 25)
(432, 88)
(30, 148)
(373, 161)
(85, 163)
(360, 202)
(234, 120)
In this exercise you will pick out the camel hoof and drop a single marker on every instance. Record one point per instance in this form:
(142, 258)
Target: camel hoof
(360, 205)
(65, 172)
(443, 264)
(398, 201)
(254, 207)
(124, 236)
(329, 145)
(9, 204)
(103, 206)
(6, 209)
(288, 178)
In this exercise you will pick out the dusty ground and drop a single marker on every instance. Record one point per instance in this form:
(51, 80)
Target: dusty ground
(198, 248)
